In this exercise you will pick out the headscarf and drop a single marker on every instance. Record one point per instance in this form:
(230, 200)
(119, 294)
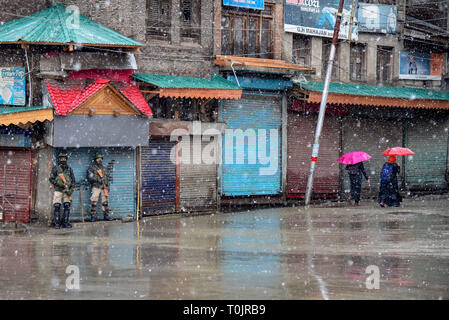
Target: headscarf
(392, 159)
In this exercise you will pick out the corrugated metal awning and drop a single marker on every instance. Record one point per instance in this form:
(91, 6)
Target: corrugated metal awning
(215, 87)
(365, 95)
(24, 116)
(53, 26)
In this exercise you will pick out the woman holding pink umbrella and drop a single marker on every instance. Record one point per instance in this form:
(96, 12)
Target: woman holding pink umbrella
(354, 165)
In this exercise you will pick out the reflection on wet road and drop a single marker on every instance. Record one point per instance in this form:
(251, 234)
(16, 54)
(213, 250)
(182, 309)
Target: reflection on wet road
(280, 253)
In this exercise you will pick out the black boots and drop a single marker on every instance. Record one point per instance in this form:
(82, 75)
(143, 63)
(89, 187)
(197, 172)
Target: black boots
(93, 209)
(57, 215)
(107, 217)
(65, 218)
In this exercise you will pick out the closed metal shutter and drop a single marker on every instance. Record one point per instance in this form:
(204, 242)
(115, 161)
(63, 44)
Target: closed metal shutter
(428, 138)
(122, 189)
(158, 178)
(15, 185)
(198, 180)
(251, 112)
(372, 136)
(300, 132)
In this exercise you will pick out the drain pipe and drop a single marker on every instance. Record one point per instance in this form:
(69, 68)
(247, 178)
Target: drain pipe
(30, 95)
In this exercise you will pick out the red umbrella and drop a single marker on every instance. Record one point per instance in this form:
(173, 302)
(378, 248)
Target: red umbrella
(354, 157)
(398, 151)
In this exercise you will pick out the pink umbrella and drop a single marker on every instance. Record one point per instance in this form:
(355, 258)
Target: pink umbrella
(398, 151)
(354, 157)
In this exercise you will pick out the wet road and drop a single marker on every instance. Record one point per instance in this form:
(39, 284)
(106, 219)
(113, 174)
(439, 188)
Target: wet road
(280, 253)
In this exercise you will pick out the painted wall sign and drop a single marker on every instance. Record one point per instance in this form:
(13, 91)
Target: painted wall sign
(253, 4)
(12, 86)
(317, 18)
(377, 18)
(420, 66)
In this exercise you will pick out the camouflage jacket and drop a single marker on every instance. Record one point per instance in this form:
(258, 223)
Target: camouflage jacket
(94, 177)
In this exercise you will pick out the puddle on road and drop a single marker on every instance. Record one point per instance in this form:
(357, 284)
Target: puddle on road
(264, 254)
(403, 212)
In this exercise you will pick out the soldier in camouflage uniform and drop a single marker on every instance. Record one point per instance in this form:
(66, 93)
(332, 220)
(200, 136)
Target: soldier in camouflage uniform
(63, 180)
(98, 178)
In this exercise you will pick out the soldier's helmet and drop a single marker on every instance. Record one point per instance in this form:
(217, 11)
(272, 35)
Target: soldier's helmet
(98, 155)
(62, 155)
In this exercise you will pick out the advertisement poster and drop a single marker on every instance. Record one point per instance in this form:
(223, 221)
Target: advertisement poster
(12, 86)
(377, 18)
(420, 66)
(253, 4)
(317, 18)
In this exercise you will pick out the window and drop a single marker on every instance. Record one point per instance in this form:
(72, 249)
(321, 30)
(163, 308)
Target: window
(190, 20)
(325, 58)
(185, 109)
(301, 50)
(159, 19)
(384, 64)
(357, 63)
(246, 32)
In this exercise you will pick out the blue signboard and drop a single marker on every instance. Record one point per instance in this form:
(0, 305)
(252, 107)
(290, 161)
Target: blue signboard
(377, 18)
(318, 17)
(253, 4)
(12, 86)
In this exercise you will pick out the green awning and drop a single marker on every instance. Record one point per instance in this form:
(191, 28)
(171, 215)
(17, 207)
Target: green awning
(191, 87)
(361, 94)
(53, 26)
(165, 81)
(377, 91)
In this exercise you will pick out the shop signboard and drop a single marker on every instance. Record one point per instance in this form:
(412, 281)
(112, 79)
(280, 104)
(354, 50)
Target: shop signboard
(377, 18)
(12, 86)
(420, 66)
(253, 4)
(318, 17)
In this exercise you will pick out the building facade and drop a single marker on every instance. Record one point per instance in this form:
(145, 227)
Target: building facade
(399, 60)
(218, 76)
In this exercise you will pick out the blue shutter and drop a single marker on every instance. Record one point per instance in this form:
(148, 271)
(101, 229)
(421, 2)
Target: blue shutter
(158, 178)
(251, 112)
(122, 189)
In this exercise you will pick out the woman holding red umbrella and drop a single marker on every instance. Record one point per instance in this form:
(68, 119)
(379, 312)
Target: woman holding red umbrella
(389, 190)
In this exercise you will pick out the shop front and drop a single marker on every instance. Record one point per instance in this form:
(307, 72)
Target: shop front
(302, 121)
(98, 118)
(180, 168)
(379, 118)
(18, 158)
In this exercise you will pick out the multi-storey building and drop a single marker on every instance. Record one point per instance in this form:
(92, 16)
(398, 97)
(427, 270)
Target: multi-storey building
(377, 97)
(256, 69)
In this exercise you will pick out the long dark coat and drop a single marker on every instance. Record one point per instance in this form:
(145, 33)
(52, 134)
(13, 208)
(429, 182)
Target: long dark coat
(389, 191)
(355, 172)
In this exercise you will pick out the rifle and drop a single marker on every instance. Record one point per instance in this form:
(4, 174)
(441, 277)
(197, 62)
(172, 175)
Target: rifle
(100, 173)
(61, 175)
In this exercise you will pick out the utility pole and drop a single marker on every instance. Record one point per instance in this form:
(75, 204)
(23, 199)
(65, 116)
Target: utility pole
(319, 127)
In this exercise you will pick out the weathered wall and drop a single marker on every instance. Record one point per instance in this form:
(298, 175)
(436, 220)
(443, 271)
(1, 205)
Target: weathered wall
(129, 17)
